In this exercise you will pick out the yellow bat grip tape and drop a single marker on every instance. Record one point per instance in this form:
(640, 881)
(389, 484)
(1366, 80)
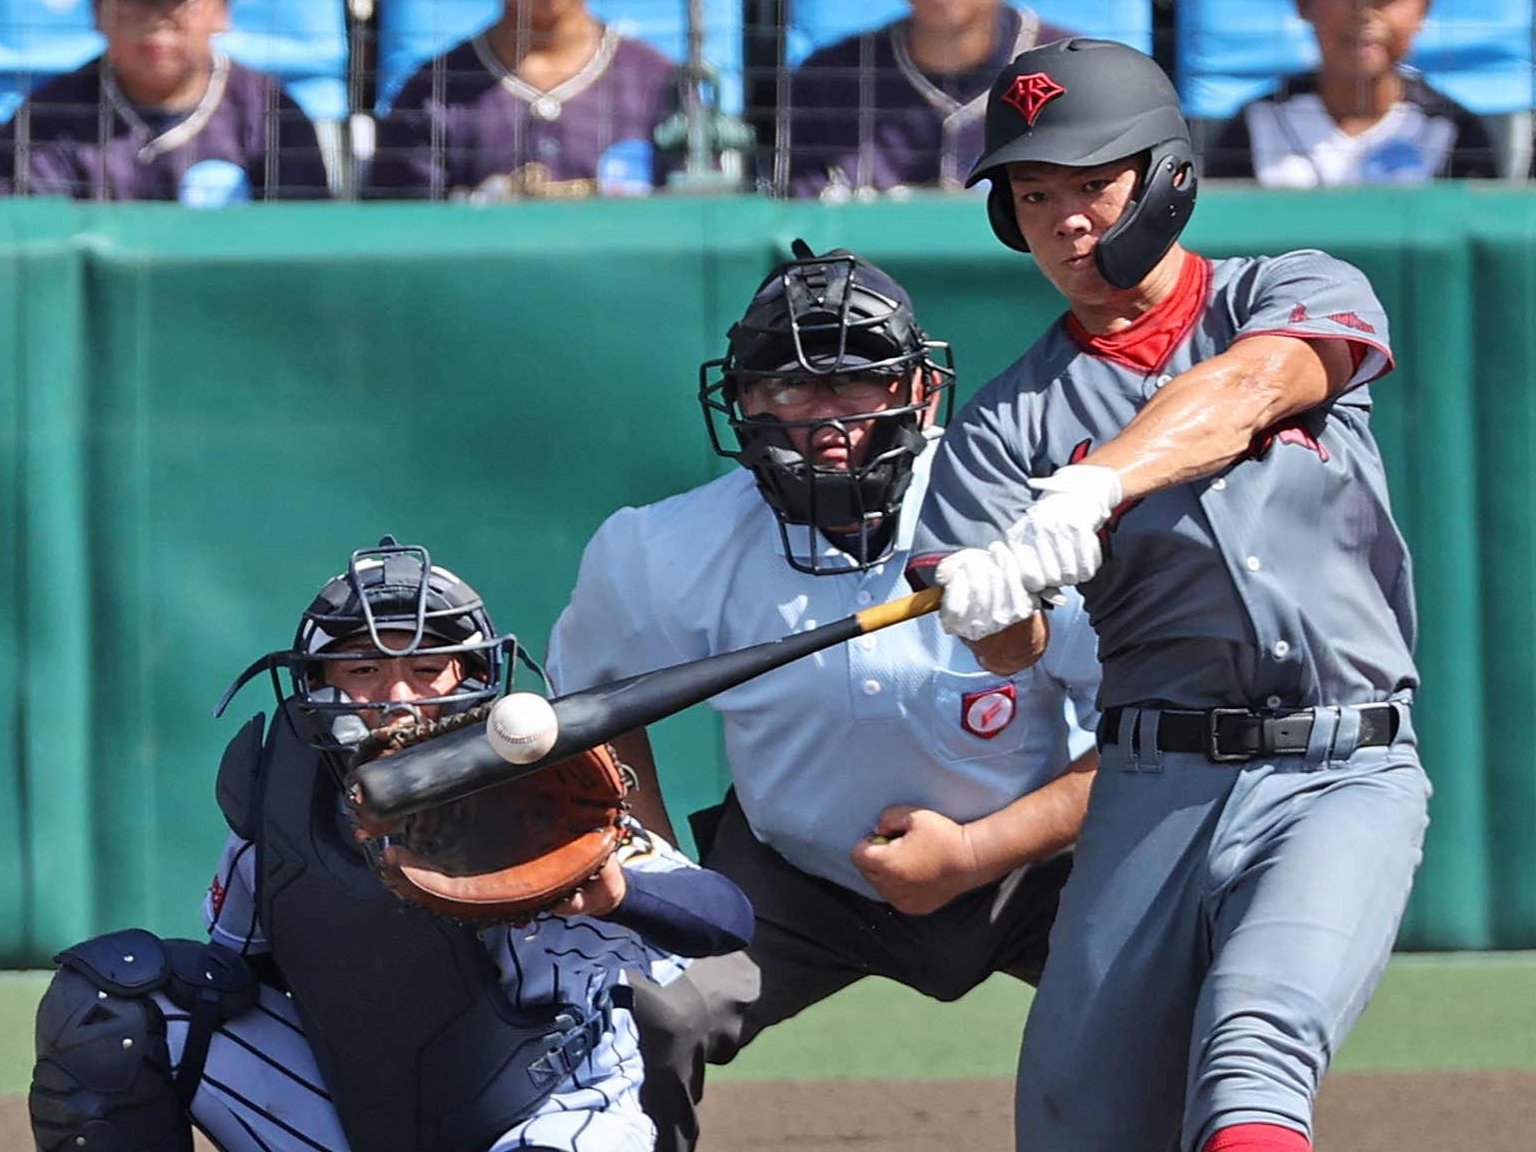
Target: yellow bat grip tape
(894, 612)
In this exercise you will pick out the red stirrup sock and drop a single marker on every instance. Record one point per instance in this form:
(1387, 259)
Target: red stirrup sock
(1258, 1138)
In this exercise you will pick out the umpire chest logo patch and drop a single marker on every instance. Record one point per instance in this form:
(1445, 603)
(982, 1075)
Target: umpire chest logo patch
(988, 712)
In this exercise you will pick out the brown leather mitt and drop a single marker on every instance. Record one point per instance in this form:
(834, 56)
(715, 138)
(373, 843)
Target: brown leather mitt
(504, 854)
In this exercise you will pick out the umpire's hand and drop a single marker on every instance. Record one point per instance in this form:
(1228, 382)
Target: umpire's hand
(918, 860)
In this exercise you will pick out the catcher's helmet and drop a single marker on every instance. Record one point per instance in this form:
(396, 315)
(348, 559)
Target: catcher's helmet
(405, 605)
(834, 315)
(1082, 103)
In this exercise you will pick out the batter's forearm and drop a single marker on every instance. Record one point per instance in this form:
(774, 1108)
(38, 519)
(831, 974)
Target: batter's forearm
(1207, 418)
(1037, 826)
(1015, 648)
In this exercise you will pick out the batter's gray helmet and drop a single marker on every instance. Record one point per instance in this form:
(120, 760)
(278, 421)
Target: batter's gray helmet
(1086, 102)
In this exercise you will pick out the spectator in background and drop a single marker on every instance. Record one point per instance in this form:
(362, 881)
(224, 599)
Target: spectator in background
(545, 102)
(161, 115)
(1361, 118)
(900, 106)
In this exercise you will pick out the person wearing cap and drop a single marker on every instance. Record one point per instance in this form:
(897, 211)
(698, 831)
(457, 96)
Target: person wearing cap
(323, 1013)
(895, 809)
(1190, 445)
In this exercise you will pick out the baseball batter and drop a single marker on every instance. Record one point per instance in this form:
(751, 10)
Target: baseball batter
(327, 1015)
(1190, 443)
(896, 809)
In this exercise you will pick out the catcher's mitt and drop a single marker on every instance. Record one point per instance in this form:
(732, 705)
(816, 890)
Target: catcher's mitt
(505, 854)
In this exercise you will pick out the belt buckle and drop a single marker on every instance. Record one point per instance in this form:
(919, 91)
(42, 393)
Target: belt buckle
(1213, 735)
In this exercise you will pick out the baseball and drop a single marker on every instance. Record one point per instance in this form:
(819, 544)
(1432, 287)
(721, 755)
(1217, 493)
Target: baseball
(521, 727)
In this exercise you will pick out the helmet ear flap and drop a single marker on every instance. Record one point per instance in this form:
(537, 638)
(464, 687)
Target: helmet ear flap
(1149, 227)
(1005, 225)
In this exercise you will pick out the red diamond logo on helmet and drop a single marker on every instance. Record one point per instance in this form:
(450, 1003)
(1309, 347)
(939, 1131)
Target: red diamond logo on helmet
(1029, 94)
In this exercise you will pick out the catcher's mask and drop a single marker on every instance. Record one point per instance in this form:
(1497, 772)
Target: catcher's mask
(403, 605)
(830, 318)
(1082, 103)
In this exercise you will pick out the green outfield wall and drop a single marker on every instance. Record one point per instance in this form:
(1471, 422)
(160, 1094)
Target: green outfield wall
(203, 413)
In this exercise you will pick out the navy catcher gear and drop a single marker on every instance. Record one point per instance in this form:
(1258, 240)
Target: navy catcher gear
(103, 1075)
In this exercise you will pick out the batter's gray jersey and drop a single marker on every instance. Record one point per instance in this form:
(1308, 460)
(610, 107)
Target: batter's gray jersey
(820, 747)
(1205, 596)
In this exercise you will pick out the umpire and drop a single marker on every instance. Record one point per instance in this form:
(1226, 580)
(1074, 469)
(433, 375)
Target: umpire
(896, 809)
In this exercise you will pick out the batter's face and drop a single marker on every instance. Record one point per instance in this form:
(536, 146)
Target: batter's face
(388, 681)
(1363, 38)
(159, 49)
(808, 405)
(1064, 212)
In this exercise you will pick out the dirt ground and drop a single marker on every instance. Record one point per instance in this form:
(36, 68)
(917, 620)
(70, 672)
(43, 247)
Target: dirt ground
(1358, 1112)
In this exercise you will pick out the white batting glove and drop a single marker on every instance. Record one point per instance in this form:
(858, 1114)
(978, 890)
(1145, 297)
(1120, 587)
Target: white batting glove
(1056, 542)
(983, 591)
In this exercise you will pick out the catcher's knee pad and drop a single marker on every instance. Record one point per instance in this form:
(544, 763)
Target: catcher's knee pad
(103, 1078)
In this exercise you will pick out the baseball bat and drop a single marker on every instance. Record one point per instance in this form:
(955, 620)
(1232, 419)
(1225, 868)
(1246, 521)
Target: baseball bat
(462, 762)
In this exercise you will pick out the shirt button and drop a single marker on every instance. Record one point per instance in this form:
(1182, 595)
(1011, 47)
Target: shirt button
(1219, 483)
(867, 643)
(1273, 701)
(871, 687)
(1252, 564)
(1280, 649)
(864, 596)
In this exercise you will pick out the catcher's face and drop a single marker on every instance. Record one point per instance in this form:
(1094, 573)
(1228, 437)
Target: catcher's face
(386, 686)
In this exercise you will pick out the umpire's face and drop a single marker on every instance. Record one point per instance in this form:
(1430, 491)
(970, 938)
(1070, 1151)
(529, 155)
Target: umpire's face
(391, 684)
(820, 413)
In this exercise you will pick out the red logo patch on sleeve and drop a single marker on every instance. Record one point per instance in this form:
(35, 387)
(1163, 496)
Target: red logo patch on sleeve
(1350, 320)
(216, 893)
(1029, 94)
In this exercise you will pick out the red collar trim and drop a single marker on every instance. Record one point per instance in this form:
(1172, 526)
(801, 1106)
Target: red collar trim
(1151, 338)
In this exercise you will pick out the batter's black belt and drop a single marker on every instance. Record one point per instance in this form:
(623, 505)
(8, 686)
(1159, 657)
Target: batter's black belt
(1238, 734)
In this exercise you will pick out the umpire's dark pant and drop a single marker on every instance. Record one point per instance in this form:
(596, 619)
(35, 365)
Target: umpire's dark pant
(812, 938)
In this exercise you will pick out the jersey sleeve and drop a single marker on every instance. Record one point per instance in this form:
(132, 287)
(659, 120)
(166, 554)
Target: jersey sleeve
(609, 629)
(229, 908)
(677, 906)
(1072, 660)
(977, 486)
(1312, 295)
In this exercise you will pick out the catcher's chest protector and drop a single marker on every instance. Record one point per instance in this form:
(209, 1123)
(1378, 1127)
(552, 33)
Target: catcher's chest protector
(418, 1043)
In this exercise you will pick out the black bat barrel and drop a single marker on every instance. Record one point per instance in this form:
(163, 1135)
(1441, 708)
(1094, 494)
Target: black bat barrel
(463, 762)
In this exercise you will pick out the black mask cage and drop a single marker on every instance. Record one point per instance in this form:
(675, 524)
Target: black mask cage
(816, 317)
(404, 605)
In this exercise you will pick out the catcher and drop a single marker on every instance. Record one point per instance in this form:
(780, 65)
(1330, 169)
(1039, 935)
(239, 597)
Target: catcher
(329, 1011)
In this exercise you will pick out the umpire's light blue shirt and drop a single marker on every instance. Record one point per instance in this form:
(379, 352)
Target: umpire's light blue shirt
(818, 748)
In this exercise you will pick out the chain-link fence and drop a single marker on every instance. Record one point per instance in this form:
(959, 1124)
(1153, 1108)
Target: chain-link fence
(214, 102)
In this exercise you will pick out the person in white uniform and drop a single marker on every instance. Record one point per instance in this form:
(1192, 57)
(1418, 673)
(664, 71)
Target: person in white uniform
(895, 809)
